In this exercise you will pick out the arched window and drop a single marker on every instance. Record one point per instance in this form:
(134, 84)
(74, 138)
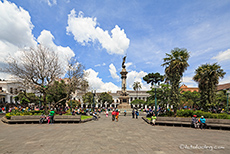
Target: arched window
(16, 91)
(11, 90)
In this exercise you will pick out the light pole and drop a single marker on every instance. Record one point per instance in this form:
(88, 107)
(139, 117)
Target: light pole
(227, 92)
(156, 86)
(94, 93)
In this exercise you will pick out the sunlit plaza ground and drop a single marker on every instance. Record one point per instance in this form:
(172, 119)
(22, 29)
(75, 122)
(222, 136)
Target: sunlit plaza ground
(104, 136)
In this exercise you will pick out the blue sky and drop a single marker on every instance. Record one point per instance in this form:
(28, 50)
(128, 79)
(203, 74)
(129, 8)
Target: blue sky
(99, 33)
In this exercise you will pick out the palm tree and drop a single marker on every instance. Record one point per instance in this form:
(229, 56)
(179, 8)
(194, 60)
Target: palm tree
(208, 76)
(136, 87)
(176, 63)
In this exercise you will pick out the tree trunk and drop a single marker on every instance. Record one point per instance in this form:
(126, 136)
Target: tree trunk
(175, 110)
(45, 103)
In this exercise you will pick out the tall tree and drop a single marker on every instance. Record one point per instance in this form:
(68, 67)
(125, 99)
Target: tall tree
(56, 92)
(84, 86)
(208, 76)
(154, 78)
(191, 98)
(26, 98)
(105, 97)
(88, 98)
(37, 68)
(162, 95)
(137, 86)
(74, 79)
(175, 65)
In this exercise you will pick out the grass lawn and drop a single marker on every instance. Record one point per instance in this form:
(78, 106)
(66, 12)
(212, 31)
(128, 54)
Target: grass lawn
(85, 117)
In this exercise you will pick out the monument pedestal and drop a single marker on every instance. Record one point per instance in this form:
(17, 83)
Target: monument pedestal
(124, 102)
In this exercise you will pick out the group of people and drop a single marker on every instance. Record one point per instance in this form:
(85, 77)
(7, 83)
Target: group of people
(49, 118)
(135, 113)
(115, 114)
(198, 123)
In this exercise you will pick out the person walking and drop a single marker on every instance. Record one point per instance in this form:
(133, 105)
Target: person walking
(133, 113)
(117, 114)
(137, 114)
(52, 116)
(113, 115)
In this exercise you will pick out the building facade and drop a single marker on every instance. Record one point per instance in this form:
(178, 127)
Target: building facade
(133, 95)
(8, 90)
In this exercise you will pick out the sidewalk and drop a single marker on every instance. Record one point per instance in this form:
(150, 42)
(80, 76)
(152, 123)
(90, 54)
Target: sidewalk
(104, 136)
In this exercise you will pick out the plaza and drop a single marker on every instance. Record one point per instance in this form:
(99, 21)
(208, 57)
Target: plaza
(104, 136)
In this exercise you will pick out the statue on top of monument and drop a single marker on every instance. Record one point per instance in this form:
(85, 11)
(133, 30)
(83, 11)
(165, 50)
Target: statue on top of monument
(123, 63)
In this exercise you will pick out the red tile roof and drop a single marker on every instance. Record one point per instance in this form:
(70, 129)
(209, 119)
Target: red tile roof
(223, 86)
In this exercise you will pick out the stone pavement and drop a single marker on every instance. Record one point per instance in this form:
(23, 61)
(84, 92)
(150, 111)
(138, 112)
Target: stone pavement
(104, 136)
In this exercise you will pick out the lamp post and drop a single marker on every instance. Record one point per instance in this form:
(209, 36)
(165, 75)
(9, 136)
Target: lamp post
(155, 87)
(227, 92)
(39, 102)
(94, 93)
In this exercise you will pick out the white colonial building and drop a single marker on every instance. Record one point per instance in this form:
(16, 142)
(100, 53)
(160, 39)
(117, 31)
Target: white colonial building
(8, 90)
(133, 95)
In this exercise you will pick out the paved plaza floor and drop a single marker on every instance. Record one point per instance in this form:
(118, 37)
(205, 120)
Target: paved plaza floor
(104, 136)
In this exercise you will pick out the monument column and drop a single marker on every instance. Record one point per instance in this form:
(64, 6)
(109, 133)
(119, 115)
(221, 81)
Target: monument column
(124, 96)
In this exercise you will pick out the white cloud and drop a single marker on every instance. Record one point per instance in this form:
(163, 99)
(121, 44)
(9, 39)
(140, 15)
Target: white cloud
(85, 30)
(98, 65)
(113, 71)
(64, 53)
(222, 56)
(16, 27)
(15, 30)
(51, 2)
(226, 79)
(188, 81)
(134, 76)
(96, 83)
(128, 64)
(16, 33)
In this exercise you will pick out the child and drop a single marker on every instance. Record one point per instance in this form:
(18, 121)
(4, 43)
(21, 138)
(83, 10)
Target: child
(48, 119)
(107, 113)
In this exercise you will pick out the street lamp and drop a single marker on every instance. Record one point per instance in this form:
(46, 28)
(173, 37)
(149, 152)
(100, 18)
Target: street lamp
(156, 86)
(94, 93)
(227, 92)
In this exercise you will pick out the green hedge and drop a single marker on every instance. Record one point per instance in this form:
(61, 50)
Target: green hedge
(22, 113)
(190, 113)
(167, 114)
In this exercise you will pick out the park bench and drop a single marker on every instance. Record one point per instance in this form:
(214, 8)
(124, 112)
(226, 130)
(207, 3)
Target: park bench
(186, 122)
(67, 118)
(36, 118)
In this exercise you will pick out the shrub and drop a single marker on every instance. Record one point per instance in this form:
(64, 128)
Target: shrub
(198, 113)
(8, 115)
(223, 116)
(169, 113)
(179, 113)
(68, 113)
